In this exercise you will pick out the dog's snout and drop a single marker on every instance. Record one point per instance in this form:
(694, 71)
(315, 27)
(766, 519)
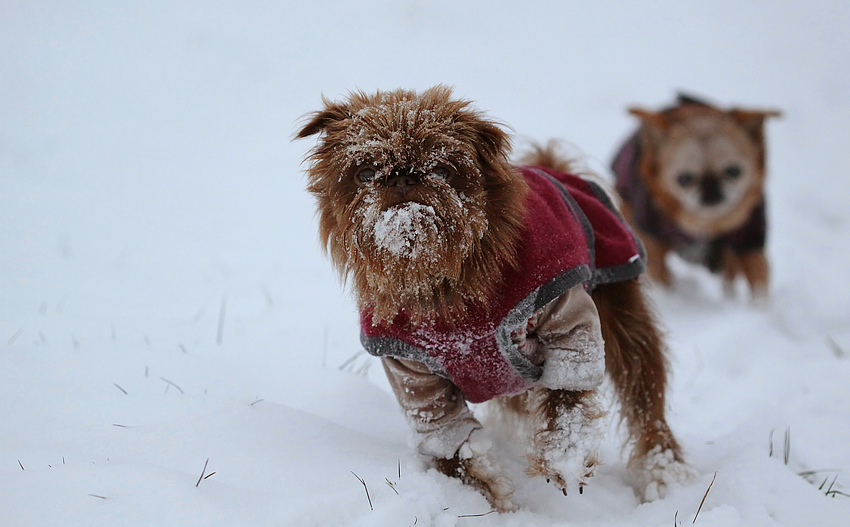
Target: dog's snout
(401, 182)
(711, 192)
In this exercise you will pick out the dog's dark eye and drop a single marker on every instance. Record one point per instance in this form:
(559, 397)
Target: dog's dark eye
(365, 174)
(732, 171)
(686, 179)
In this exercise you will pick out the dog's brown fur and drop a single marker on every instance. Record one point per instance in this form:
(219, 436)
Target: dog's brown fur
(703, 140)
(360, 133)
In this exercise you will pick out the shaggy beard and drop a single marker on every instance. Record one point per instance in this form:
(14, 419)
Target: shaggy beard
(411, 256)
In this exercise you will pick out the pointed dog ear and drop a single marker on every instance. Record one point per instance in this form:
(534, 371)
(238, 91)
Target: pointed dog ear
(752, 121)
(321, 120)
(655, 120)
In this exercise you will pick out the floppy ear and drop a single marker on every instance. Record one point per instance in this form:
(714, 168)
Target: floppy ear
(333, 112)
(752, 121)
(493, 142)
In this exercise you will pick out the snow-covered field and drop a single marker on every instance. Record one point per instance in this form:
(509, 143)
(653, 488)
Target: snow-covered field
(175, 349)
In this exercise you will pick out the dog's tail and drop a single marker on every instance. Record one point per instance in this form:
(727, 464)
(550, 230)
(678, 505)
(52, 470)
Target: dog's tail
(551, 155)
(565, 158)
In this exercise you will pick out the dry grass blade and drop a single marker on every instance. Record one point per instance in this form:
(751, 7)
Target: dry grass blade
(834, 493)
(172, 384)
(832, 484)
(787, 449)
(836, 349)
(199, 315)
(476, 515)
(202, 472)
(704, 497)
(269, 298)
(366, 488)
(770, 452)
(223, 310)
(15, 336)
(392, 486)
(810, 473)
(350, 360)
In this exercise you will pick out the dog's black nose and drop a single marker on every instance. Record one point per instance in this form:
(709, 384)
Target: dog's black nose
(711, 192)
(402, 182)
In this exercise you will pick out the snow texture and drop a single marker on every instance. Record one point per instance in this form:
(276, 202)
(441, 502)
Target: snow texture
(397, 229)
(149, 189)
(657, 473)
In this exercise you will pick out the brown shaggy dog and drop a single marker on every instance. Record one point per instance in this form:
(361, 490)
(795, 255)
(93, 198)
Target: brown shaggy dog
(478, 280)
(692, 181)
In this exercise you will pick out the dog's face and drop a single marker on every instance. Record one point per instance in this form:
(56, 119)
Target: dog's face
(704, 166)
(417, 202)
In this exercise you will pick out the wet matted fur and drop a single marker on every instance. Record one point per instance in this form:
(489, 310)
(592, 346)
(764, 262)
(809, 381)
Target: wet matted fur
(376, 151)
(478, 226)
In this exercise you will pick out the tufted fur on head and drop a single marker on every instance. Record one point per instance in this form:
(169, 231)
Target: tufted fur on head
(418, 205)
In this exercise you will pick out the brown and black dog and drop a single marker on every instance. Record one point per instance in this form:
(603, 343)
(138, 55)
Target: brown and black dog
(692, 182)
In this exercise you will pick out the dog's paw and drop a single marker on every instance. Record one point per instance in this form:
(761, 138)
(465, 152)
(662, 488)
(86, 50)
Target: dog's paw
(567, 453)
(475, 466)
(652, 475)
(566, 475)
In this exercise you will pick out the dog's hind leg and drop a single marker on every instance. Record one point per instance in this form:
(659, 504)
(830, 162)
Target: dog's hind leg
(635, 361)
(757, 271)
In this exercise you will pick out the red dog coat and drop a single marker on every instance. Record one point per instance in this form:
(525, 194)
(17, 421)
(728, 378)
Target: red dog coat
(572, 235)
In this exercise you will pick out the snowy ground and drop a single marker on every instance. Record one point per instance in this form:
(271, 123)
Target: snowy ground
(164, 301)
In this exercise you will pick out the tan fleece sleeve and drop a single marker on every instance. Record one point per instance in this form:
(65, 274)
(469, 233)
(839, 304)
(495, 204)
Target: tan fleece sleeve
(435, 408)
(567, 338)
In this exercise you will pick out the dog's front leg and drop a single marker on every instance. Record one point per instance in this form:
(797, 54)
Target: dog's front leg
(446, 431)
(567, 427)
(567, 422)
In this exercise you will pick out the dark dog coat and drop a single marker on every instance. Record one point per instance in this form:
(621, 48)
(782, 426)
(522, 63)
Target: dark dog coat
(572, 235)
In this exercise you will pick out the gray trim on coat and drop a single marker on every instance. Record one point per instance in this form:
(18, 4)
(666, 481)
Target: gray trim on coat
(394, 347)
(515, 318)
(628, 270)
